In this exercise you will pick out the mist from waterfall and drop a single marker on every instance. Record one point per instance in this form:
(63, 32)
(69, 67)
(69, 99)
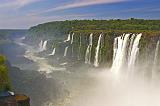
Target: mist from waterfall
(108, 90)
(122, 54)
(53, 52)
(96, 61)
(88, 51)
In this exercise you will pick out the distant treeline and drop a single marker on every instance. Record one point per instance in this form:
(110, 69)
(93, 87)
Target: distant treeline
(60, 28)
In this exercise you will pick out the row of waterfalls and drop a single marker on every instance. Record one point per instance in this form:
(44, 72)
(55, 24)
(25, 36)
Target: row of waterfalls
(43, 45)
(125, 50)
(126, 66)
(70, 39)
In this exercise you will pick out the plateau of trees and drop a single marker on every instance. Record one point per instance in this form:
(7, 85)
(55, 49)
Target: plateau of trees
(60, 28)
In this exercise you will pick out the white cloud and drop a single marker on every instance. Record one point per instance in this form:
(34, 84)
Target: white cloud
(26, 2)
(80, 3)
(16, 3)
(11, 15)
(27, 21)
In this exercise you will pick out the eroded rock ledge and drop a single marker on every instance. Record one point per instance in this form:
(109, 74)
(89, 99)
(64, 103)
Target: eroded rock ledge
(16, 100)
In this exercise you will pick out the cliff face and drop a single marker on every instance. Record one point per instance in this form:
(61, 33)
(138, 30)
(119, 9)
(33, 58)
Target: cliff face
(79, 44)
(75, 42)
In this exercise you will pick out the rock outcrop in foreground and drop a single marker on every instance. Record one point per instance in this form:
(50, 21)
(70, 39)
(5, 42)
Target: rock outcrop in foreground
(7, 97)
(16, 100)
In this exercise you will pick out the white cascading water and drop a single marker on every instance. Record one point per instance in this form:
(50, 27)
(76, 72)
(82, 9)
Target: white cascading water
(155, 59)
(134, 51)
(115, 48)
(53, 52)
(45, 45)
(68, 38)
(72, 38)
(123, 52)
(65, 52)
(130, 45)
(119, 48)
(88, 51)
(96, 61)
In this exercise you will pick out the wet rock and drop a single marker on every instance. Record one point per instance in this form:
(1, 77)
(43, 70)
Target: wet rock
(16, 100)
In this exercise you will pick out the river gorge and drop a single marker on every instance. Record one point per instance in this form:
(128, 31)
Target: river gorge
(86, 76)
(85, 67)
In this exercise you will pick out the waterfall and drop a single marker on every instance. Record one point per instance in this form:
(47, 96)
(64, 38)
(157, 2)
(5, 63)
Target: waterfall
(119, 49)
(134, 51)
(44, 47)
(88, 51)
(65, 52)
(115, 48)
(53, 52)
(96, 61)
(130, 45)
(125, 50)
(72, 38)
(155, 59)
(68, 38)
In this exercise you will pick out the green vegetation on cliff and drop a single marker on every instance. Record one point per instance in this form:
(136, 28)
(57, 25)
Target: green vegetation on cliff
(60, 28)
(57, 31)
(4, 78)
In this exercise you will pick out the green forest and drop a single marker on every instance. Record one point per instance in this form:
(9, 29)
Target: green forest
(60, 28)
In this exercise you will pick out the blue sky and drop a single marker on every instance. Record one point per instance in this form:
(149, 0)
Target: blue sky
(26, 13)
